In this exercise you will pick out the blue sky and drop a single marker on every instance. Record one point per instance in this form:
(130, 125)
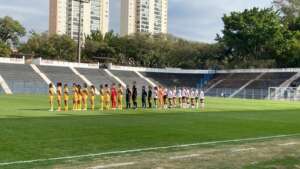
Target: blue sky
(198, 20)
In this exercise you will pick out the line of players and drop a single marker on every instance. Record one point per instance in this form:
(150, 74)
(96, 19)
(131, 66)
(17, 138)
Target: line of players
(112, 97)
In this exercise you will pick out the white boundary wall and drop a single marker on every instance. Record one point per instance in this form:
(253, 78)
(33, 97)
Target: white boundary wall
(44, 62)
(13, 60)
(198, 71)
(285, 70)
(160, 70)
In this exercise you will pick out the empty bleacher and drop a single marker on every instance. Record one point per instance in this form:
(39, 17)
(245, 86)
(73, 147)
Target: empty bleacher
(1, 90)
(174, 79)
(61, 74)
(22, 79)
(97, 76)
(129, 77)
(230, 83)
(295, 83)
(259, 88)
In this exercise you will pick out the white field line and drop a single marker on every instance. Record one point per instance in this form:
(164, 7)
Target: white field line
(184, 156)
(113, 165)
(149, 149)
(242, 149)
(288, 144)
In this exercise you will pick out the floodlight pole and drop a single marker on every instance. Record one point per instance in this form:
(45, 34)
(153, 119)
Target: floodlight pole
(79, 30)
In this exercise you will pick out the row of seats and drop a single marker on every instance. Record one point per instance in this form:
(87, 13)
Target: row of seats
(174, 79)
(22, 79)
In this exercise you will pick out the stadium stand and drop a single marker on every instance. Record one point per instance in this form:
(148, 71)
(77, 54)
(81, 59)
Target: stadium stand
(174, 79)
(22, 79)
(259, 88)
(1, 90)
(61, 74)
(128, 77)
(229, 83)
(295, 83)
(96, 76)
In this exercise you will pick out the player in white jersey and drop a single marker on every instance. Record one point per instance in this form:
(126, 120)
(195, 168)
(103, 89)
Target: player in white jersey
(183, 97)
(179, 96)
(197, 98)
(192, 97)
(174, 97)
(165, 97)
(187, 98)
(202, 98)
(170, 97)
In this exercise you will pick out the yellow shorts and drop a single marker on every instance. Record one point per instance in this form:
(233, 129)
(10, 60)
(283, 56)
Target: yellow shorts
(51, 98)
(66, 98)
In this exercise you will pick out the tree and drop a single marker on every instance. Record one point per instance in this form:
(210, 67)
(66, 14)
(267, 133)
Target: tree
(5, 50)
(290, 10)
(255, 34)
(99, 45)
(60, 47)
(11, 30)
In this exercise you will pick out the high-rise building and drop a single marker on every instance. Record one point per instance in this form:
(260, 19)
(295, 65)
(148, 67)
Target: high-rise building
(64, 17)
(144, 16)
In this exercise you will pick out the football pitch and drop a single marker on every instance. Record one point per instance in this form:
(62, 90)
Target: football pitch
(33, 137)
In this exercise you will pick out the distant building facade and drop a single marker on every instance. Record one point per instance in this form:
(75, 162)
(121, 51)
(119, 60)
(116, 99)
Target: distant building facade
(64, 17)
(149, 16)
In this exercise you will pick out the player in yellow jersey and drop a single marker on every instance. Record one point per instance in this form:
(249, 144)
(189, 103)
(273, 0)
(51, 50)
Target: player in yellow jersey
(101, 90)
(75, 96)
(92, 97)
(120, 97)
(59, 95)
(66, 97)
(106, 97)
(79, 97)
(84, 94)
(51, 96)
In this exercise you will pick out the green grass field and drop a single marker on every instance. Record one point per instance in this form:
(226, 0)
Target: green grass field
(28, 131)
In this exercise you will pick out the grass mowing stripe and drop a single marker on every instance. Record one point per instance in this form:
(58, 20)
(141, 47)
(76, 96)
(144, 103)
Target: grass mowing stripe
(150, 149)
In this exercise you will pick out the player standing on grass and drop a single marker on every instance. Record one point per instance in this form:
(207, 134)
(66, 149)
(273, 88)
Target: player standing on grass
(134, 96)
(102, 93)
(174, 97)
(51, 96)
(155, 96)
(192, 97)
(165, 97)
(114, 94)
(92, 93)
(85, 94)
(106, 97)
(179, 96)
(161, 97)
(144, 97)
(66, 97)
(184, 98)
(79, 92)
(128, 97)
(120, 97)
(59, 95)
(202, 99)
(75, 96)
(170, 98)
(150, 97)
(197, 98)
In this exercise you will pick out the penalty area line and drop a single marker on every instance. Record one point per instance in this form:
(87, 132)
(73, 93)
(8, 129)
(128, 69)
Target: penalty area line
(148, 149)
